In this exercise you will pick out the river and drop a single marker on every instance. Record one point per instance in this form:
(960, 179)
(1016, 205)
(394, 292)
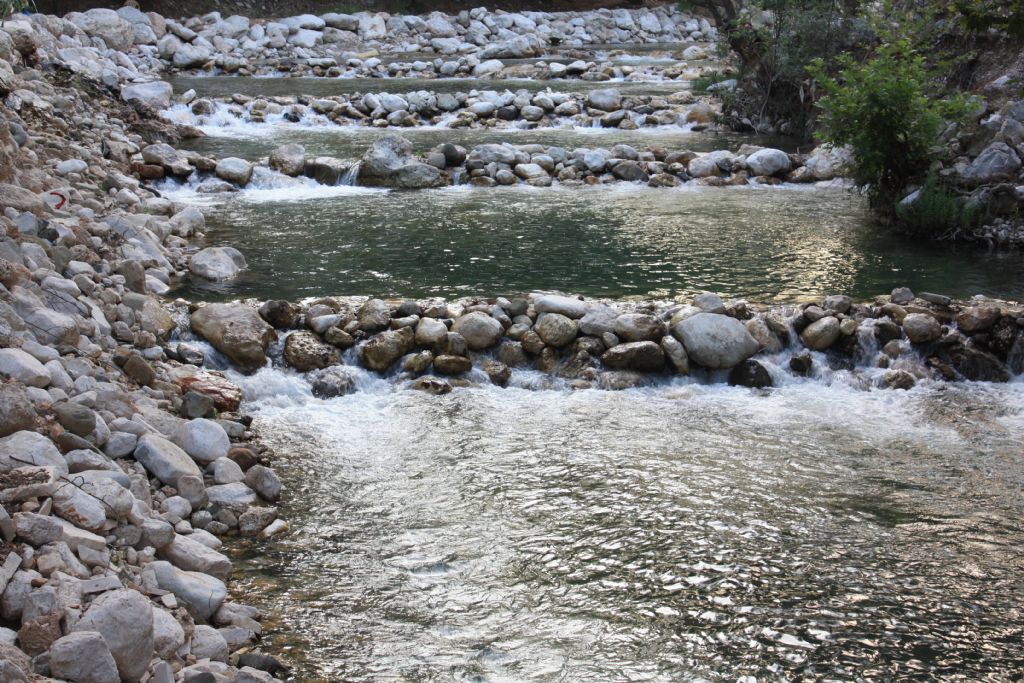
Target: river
(820, 530)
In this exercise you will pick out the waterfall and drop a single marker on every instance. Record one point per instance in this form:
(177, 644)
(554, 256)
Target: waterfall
(457, 176)
(350, 176)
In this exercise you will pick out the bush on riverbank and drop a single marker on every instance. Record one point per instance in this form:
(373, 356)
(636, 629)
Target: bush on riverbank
(881, 109)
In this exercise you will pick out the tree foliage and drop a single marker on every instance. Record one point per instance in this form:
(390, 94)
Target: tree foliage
(881, 109)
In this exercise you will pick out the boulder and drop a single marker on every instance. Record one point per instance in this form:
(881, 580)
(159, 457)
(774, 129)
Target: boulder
(17, 364)
(107, 25)
(768, 162)
(192, 556)
(977, 318)
(237, 331)
(821, 334)
(480, 330)
(568, 306)
(715, 341)
(921, 328)
(556, 329)
(201, 594)
(204, 440)
(264, 481)
(30, 449)
(607, 99)
(289, 159)
(217, 263)
(382, 351)
(750, 373)
(164, 460)
(304, 351)
(642, 356)
(333, 382)
(153, 94)
(389, 163)
(234, 170)
(20, 199)
(83, 657)
(188, 56)
(16, 411)
(124, 618)
(632, 327)
(997, 162)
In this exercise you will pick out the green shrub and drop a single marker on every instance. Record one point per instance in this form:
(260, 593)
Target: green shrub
(937, 212)
(881, 109)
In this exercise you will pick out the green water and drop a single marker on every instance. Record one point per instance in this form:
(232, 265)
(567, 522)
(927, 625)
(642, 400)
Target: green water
(767, 245)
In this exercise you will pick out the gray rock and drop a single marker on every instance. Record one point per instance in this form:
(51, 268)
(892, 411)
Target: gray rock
(289, 159)
(125, 620)
(821, 334)
(333, 382)
(24, 448)
(16, 411)
(78, 507)
(997, 162)
(83, 657)
(192, 556)
(168, 635)
(217, 263)
(232, 496)
(264, 481)
(204, 440)
(188, 56)
(227, 471)
(715, 341)
(234, 170)
(676, 354)
(568, 306)
(608, 99)
(237, 331)
(201, 594)
(304, 351)
(75, 417)
(17, 364)
(382, 351)
(556, 329)
(389, 163)
(642, 356)
(921, 328)
(208, 643)
(164, 460)
(480, 330)
(768, 162)
(633, 327)
(154, 94)
(37, 530)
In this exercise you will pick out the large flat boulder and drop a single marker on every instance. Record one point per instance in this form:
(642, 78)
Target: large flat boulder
(237, 331)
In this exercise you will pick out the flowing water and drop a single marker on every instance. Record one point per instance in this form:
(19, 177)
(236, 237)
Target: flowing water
(820, 530)
(681, 533)
(271, 86)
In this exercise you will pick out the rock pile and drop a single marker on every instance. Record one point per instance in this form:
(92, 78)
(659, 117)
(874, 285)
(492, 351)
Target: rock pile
(522, 109)
(122, 460)
(434, 345)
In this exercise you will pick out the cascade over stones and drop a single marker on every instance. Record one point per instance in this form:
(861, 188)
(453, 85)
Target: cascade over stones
(127, 468)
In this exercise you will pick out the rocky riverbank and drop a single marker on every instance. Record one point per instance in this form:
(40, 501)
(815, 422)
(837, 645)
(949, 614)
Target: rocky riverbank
(123, 462)
(342, 44)
(894, 341)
